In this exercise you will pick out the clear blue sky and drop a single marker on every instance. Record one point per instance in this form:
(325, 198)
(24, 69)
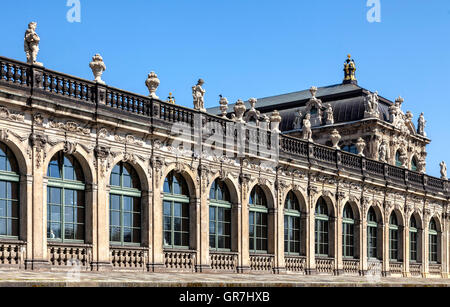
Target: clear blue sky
(251, 48)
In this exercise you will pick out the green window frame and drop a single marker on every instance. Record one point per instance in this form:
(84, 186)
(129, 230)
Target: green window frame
(258, 222)
(292, 225)
(176, 216)
(125, 210)
(393, 238)
(398, 163)
(219, 217)
(348, 233)
(433, 242)
(414, 164)
(65, 200)
(372, 235)
(322, 221)
(9, 194)
(413, 246)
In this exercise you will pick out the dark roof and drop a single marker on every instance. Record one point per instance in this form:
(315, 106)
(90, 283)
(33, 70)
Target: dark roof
(347, 101)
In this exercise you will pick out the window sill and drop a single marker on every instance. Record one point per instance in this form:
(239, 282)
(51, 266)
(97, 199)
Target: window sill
(223, 252)
(12, 240)
(68, 244)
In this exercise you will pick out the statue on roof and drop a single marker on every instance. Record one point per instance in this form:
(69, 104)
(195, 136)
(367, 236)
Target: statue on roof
(421, 125)
(329, 118)
(307, 132)
(443, 170)
(372, 106)
(298, 120)
(198, 94)
(31, 44)
(350, 71)
(382, 152)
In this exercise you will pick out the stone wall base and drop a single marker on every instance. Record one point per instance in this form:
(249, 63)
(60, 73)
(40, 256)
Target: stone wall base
(38, 265)
(102, 266)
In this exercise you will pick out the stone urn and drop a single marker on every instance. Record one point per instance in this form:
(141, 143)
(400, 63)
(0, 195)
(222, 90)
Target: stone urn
(239, 110)
(275, 120)
(223, 106)
(360, 146)
(152, 84)
(98, 67)
(335, 138)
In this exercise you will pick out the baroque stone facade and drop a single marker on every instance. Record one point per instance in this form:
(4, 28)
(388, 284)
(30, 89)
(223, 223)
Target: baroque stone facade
(157, 191)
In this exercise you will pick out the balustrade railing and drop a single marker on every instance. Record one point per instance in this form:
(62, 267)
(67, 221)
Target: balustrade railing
(375, 167)
(415, 269)
(262, 263)
(128, 258)
(66, 255)
(351, 161)
(128, 102)
(325, 154)
(12, 254)
(435, 269)
(294, 146)
(325, 265)
(180, 260)
(223, 261)
(374, 267)
(14, 72)
(396, 268)
(295, 264)
(351, 267)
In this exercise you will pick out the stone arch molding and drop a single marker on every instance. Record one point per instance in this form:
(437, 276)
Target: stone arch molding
(17, 144)
(188, 172)
(137, 162)
(230, 181)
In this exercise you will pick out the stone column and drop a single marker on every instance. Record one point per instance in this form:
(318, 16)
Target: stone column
(425, 248)
(26, 229)
(236, 231)
(156, 263)
(445, 245)
(338, 245)
(279, 244)
(363, 256)
(385, 250)
(203, 262)
(406, 251)
(310, 240)
(244, 256)
(146, 201)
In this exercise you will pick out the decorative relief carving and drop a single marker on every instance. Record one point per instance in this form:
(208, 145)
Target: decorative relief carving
(38, 142)
(128, 140)
(6, 114)
(69, 127)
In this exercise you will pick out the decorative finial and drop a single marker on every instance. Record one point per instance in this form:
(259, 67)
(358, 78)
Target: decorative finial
(98, 67)
(223, 106)
(350, 70)
(335, 138)
(152, 84)
(275, 120)
(171, 99)
(31, 44)
(239, 110)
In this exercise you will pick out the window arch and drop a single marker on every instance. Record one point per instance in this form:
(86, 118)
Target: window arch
(219, 216)
(433, 242)
(397, 159)
(258, 221)
(176, 212)
(413, 240)
(348, 232)
(125, 205)
(322, 221)
(393, 237)
(65, 199)
(9, 194)
(414, 164)
(372, 234)
(292, 224)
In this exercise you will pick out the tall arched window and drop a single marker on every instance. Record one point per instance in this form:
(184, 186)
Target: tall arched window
(9, 194)
(321, 228)
(393, 237)
(433, 241)
(125, 206)
(413, 246)
(397, 159)
(65, 199)
(348, 233)
(372, 234)
(258, 221)
(292, 224)
(414, 164)
(176, 212)
(219, 216)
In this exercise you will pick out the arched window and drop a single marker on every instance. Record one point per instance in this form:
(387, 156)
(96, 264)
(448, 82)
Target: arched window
(258, 221)
(9, 194)
(219, 216)
(125, 206)
(414, 164)
(413, 246)
(321, 228)
(348, 234)
(393, 237)
(292, 224)
(65, 199)
(397, 159)
(176, 211)
(433, 244)
(372, 234)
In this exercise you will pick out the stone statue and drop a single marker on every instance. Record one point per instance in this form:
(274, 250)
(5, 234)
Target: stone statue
(307, 132)
(239, 110)
(152, 84)
(98, 67)
(372, 106)
(298, 120)
(443, 170)
(223, 106)
(421, 125)
(382, 152)
(329, 120)
(198, 94)
(31, 44)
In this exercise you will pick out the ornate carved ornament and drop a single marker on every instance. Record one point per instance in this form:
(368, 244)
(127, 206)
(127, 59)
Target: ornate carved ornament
(6, 114)
(70, 127)
(128, 140)
(38, 142)
(6, 133)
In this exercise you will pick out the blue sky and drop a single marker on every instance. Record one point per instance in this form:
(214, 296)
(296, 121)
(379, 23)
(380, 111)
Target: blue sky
(251, 48)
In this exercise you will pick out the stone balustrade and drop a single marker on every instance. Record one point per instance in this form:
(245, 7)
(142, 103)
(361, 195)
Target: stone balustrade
(415, 269)
(396, 268)
(435, 269)
(180, 260)
(351, 267)
(223, 261)
(325, 265)
(128, 258)
(12, 254)
(262, 263)
(295, 264)
(70, 255)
